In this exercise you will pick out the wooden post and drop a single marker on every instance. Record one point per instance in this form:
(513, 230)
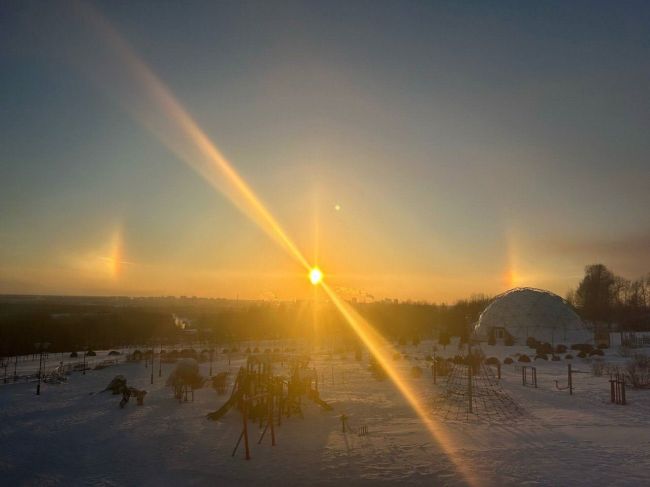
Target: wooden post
(211, 356)
(570, 381)
(523, 375)
(248, 452)
(434, 367)
(271, 421)
(469, 388)
(623, 391)
(499, 371)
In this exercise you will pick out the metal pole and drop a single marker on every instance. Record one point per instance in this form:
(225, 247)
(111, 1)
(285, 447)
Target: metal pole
(38, 387)
(160, 362)
(152, 352)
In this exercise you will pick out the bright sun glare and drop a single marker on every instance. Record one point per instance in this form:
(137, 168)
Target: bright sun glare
(315, 275)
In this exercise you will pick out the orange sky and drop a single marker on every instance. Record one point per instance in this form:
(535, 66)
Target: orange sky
(407, 157)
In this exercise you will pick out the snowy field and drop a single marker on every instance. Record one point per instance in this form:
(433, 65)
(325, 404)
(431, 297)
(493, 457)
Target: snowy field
(74, 435)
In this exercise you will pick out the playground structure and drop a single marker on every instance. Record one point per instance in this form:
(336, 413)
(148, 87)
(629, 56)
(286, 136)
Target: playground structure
(119, 386)
(263, 397)
(57, 376)
(472, 392)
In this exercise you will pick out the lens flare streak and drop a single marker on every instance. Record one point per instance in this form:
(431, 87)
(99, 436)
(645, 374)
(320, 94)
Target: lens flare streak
(383, 351)
(182, 134)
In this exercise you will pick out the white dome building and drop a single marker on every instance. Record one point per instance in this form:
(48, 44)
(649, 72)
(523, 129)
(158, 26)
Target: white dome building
(527, 312)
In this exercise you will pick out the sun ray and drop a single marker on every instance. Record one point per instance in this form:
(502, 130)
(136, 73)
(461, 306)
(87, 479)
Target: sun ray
(382, 350)
(182, 134)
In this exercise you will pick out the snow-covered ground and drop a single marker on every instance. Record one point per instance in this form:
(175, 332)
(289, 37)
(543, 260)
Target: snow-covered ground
(73, 435)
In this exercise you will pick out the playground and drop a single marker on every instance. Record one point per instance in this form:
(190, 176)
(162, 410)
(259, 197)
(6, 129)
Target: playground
(323, 416)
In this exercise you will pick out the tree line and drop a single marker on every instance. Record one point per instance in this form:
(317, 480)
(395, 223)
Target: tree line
(75, 324)
(603, 297)
(82, 325)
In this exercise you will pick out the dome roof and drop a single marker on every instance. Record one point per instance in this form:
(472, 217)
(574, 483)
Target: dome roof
(528, 312)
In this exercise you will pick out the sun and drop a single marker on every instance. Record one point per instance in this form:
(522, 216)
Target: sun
(315, 276)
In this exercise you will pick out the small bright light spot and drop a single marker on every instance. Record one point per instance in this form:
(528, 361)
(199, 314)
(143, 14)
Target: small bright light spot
(315, 276)
(337, 207)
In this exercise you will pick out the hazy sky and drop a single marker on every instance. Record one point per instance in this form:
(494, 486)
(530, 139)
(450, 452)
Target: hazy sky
(427, 150)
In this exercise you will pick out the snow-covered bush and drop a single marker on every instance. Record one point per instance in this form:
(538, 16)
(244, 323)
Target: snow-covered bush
(596, 351)
(523, 358)
(416, 372)
(624, 351)
(376, 369)
(492, 361)
(186, 373)
(597, 368)
(189, 353)
(117, 385)
(507, 361)
(637, 371)
(560, 348)
(583, 347)
(220, 382)
(532, 342)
